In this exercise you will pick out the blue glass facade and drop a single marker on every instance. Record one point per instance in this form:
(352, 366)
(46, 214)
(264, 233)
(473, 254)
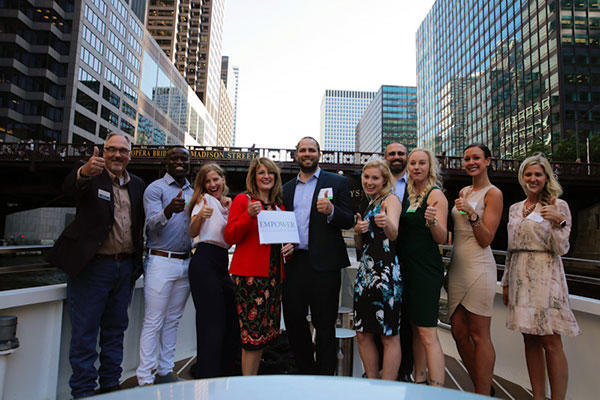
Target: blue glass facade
(508, 73)
(391, 117)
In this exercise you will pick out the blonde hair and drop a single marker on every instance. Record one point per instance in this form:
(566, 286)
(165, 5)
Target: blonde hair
(433, 179)
(388, 186)
(276, 192)
(199, 189)
(552, 188)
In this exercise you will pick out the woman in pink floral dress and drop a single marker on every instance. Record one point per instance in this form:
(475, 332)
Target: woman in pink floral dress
(534, 285)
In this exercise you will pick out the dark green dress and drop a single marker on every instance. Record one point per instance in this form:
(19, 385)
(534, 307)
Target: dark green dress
(419, 254)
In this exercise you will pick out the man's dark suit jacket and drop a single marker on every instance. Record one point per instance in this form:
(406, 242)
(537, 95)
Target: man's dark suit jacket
(80, 241)
(327, 250)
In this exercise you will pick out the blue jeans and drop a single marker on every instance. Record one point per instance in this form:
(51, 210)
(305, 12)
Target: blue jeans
(98, 299)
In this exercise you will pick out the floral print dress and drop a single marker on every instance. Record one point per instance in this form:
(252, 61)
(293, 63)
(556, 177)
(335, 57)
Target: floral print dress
(538, 297)
(378, 287)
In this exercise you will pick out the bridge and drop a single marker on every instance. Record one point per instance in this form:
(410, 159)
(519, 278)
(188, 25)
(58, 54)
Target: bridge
(32, 174)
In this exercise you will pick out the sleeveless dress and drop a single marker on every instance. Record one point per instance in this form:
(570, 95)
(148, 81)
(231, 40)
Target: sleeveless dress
(378, 287)
(420, 255)
(538, 297)
(472, 272)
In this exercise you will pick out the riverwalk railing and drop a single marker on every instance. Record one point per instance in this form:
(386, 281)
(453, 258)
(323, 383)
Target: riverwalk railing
(43, 151)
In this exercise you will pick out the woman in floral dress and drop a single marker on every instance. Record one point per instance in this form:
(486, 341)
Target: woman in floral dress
(534, 285)
(378, 288)
(256, 268)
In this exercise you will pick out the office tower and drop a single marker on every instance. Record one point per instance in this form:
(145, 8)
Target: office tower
(226, 104)
(512, 74)
(391, 117)
(340, 112)
(190, 32)
(235, 85)
(101, 72)
(35, 46)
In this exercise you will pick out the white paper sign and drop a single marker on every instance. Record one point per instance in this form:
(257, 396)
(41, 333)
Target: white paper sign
(277, 227)
(322, 192)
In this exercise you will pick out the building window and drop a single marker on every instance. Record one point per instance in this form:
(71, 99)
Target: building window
(133, 60)
(136, 27)
(128, 110)
(134, 44)
(92, 39)
(84, 123)
(120, 8)
(100, 5)
(127, 127)
(88, 80)
(90, 60)
(116, 22)
(129, 74)
(94, 19)
(130, 93)
(114, 60)
(86, 101)
(114, 40)
(112, 78)
(109, 116)
(109, 96)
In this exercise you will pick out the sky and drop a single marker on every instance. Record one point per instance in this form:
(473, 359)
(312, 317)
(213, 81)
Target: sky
(289, 52)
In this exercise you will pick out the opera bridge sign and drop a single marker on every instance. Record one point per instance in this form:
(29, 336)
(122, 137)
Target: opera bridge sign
(160, 152)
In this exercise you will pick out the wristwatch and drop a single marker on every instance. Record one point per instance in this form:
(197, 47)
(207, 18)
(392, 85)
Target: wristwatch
(562, 223)
(473, 218)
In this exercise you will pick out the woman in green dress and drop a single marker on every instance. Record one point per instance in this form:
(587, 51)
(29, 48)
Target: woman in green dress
(422, 228)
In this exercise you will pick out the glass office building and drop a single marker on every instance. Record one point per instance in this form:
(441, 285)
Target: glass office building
(340, 112)
(508, 73)
(391, 117)
(99, 71)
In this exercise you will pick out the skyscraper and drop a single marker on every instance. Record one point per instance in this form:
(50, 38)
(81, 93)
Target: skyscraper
(100, 72)
(340, 112)
(227, 96)
(509, 73)
(391, 117)
(190, 32)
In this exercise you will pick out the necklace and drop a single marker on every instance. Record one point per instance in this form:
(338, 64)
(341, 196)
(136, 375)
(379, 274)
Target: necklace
(528, 209)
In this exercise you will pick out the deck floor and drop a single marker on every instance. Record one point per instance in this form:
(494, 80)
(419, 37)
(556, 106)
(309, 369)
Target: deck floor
(456, 378)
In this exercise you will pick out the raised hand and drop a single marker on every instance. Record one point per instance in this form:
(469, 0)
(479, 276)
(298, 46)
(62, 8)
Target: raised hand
(361, 226)
(324, 206)
(463, 205)
(381, 219)
(94, 165)
(551, 213)
(176, 205)
(206, 211)
(431, 212)
(254, 207)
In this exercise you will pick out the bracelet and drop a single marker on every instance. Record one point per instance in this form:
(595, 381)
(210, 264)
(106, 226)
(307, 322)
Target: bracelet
(433, 223)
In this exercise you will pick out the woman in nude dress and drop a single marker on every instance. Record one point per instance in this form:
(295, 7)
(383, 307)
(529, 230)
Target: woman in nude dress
(472, 271)
(534, 284)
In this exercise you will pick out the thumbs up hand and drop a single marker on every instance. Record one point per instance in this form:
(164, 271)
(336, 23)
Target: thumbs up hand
(551, 213)
(176, 205)
(94, 165)
(254, 207)
(430, 213)
(324, 205)
(463, 205)
(361, 226)
(381, 219)
(206, 211)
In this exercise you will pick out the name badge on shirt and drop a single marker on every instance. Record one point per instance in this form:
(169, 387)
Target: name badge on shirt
(412, 209)
(322, 192)
(103, 194)
(534, 216)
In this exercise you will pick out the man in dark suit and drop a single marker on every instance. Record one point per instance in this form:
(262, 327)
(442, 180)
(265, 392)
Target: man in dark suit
(101, 250)
(396, 156)
(321, 202)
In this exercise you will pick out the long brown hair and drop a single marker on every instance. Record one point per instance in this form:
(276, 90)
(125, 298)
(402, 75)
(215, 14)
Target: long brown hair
(199, 189)
(276, 192)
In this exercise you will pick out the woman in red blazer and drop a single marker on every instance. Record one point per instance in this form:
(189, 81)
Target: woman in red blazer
(256, 268)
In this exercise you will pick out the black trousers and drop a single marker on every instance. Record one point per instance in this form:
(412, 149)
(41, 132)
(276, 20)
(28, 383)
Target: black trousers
(304, 287)
(217, 327)
(406, 335)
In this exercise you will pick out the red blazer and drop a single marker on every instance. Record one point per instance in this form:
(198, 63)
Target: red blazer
(250, 258)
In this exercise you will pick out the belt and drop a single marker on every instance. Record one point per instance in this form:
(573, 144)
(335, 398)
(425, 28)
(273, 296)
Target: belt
(116, 257)
(170, 254)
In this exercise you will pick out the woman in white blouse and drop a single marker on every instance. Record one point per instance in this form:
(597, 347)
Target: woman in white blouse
(217, 331)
